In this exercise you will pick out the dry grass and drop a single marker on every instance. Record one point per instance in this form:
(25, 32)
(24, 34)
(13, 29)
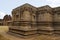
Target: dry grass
(3, 29)
(3, 38)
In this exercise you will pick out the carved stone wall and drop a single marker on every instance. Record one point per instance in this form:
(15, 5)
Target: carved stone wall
(43, 19)
(29, 19)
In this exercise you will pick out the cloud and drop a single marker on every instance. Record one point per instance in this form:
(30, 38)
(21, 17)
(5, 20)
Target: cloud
(2, 14)
(54, 3)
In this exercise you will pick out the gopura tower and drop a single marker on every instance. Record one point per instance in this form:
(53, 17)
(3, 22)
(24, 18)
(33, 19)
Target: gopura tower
(29, 20)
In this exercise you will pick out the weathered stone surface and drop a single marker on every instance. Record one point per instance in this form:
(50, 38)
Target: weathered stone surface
(27, 17)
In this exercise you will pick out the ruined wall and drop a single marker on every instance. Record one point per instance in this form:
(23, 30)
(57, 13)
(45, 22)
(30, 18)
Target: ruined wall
(27, 19)
(56, 21)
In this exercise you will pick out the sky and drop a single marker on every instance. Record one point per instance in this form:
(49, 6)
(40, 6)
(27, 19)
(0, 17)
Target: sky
(6, 6)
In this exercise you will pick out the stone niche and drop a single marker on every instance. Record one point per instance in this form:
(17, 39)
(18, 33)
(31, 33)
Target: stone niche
(26, 16)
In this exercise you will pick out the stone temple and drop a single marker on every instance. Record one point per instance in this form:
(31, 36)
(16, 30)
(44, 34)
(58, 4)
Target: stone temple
(29, 20)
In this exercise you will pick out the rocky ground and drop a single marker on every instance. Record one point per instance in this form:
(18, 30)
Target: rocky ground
(6, 36)
(36, 37)
(3, 38)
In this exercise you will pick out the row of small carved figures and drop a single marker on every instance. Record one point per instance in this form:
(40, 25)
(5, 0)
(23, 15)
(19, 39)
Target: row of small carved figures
(45, 32)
